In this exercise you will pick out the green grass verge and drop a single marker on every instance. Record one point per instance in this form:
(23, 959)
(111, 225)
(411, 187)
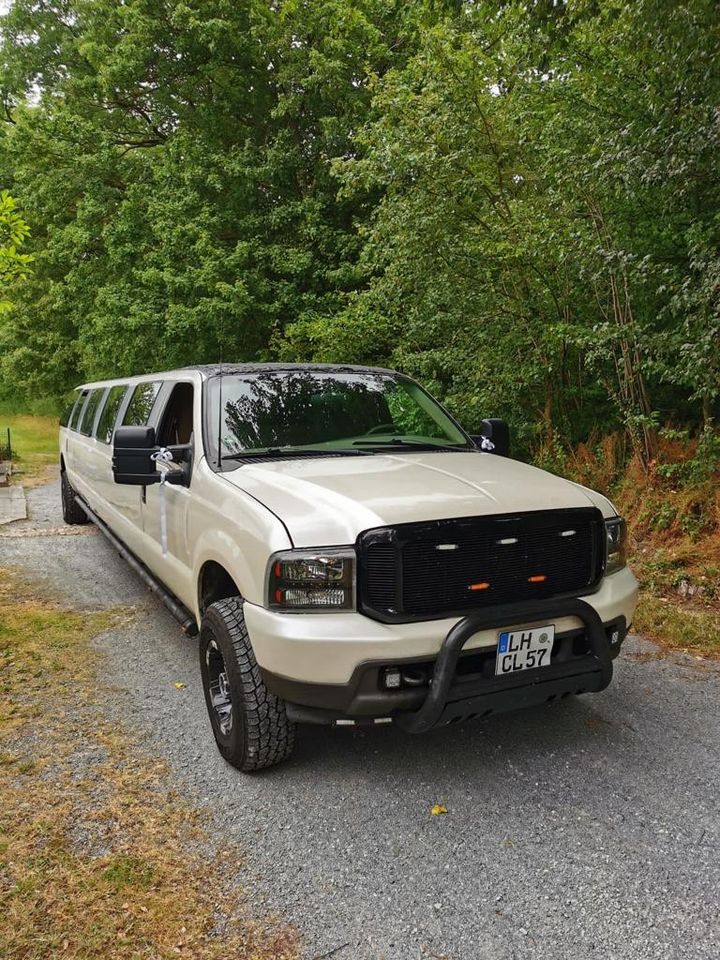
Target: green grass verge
(678, 626)
(34, 442)
(38, 408)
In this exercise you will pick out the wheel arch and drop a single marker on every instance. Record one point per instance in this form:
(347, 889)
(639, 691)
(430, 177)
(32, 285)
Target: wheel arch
(214, 583)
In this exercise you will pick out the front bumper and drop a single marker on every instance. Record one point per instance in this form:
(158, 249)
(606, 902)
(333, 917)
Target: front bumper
(459, 671)
(327, 648)
(460, 684)
(448, 700)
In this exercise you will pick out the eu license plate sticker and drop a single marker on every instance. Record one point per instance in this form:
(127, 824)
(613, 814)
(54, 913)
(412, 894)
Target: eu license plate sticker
(524, 649)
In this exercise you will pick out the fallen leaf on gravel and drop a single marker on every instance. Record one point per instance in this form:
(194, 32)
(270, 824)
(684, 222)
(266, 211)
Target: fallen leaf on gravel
(438, 809)
(180, 686)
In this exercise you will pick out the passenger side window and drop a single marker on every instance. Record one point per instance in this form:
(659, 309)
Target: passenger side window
(141, 404)
(91, 407)
(106, 423)
(78, 409)
(69, 408)
(176, 424)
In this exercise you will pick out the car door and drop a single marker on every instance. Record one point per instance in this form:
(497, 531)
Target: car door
(112, 410)
(89, 459)
(70, 445)
(174, 418)
(126, 501)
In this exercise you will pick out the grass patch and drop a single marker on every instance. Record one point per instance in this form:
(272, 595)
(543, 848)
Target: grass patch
(35, 445)
(126, 871)
(97, 858)
(34, 407)
(679, 626)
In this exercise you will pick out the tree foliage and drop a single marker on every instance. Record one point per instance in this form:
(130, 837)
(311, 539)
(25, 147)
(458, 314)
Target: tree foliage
(516, 202)
(13, 264)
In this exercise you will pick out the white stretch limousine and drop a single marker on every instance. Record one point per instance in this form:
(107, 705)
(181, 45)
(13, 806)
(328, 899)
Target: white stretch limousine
(346, 552)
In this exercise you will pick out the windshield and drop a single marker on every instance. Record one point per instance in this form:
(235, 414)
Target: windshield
(317, 410)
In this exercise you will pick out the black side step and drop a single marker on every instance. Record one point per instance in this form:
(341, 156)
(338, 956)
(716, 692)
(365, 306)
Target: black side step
(177, 609)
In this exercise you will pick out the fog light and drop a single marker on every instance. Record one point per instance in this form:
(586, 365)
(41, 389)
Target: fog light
(391, 678)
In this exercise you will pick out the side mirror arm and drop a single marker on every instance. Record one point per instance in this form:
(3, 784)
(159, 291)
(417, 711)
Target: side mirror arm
(178, 463)
(494, 437)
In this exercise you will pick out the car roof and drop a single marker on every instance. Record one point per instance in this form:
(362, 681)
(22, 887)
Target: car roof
(212, 369)
(207, 370)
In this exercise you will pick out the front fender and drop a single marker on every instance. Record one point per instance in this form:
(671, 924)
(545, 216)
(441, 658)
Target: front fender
(232, 529)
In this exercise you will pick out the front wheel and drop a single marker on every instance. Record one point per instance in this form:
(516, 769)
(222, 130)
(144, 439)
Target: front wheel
(250, 724)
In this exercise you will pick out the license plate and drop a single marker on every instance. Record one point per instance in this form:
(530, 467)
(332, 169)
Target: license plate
(524, 649)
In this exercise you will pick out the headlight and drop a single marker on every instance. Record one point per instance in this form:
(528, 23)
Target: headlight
(302, 580)
(616, 555)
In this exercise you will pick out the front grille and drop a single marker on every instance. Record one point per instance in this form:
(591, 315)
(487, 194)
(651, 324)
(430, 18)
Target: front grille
(421, 571)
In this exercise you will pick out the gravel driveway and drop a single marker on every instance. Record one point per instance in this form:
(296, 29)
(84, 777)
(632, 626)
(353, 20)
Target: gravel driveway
(587, 829)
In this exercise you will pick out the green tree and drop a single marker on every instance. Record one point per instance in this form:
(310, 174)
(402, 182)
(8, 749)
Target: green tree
(516, 202)
(14, 265)
(548, 200)
(174, 160)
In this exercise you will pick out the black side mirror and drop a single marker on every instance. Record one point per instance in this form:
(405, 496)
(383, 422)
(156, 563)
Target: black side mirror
(494, 437)
(132, 461)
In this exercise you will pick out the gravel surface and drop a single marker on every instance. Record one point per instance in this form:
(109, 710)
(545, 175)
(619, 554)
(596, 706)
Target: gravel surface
(588, 829)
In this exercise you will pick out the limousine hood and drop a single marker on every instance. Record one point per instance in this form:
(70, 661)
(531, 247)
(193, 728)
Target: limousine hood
(326, 501)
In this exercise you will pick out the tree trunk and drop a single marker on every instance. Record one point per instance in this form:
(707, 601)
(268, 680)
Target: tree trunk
(707, 412)
(631, 392)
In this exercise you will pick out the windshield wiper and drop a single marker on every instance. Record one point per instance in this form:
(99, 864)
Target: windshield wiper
(293, 452)
(400, 442)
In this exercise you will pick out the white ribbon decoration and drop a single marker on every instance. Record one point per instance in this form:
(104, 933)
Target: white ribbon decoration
(163, 456)
(487, 444)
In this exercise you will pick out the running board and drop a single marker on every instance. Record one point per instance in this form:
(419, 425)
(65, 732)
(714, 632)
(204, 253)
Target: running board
(177, 609)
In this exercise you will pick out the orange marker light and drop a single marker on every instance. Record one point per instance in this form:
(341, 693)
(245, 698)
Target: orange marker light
(478, 586)
(539, 579)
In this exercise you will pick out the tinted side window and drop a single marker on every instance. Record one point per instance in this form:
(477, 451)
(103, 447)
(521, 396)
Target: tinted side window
(106, 423)
(141, 404)
(176, 422)
(78, 409)
(68, 408)
(88, 417)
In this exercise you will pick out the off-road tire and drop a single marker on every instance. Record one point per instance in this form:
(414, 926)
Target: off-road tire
(71, 512)
(260, 734)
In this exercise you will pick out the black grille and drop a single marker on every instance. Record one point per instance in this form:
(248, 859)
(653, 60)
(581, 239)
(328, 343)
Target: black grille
(421, 571)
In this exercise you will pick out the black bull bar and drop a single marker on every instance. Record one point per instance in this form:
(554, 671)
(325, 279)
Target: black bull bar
(449, 698)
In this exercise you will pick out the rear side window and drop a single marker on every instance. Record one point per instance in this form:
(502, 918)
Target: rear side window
(69, 407)
(106, 423)
(77, 410)
(141, 404)
(91, 408)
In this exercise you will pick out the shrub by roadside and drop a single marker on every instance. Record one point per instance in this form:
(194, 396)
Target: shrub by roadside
(673, 513)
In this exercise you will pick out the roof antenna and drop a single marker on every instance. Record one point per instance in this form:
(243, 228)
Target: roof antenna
(220, 419)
